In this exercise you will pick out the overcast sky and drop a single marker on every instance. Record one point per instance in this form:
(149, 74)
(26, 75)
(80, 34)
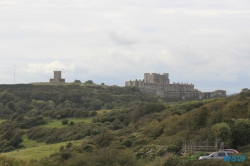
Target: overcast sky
(204, 42)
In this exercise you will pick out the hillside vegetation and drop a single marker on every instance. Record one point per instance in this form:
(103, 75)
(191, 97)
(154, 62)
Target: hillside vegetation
(115, 125)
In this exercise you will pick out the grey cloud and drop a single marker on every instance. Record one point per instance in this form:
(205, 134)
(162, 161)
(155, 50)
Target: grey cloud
(122, 37)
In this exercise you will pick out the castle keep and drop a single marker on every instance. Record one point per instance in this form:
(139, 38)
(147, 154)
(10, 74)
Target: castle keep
(57, 77)
(157, 84)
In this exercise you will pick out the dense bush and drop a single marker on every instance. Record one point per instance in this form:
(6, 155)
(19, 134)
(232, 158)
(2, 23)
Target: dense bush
(241, 132)
(146, 108)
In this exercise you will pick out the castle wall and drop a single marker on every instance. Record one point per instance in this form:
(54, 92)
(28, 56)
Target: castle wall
(157, 84)
(218, 93)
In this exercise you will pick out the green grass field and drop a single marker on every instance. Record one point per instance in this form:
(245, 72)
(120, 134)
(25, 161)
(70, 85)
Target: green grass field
(37, 150)
(101, 112)
(55, 123)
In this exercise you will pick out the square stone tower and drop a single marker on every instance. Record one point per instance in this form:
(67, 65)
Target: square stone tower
(57, 77)
(156, 78)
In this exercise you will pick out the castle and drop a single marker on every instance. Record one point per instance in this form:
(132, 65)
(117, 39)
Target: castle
(57, 77)
(157, 84)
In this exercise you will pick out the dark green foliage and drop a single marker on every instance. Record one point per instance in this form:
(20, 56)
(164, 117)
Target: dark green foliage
(61, 148)
(104, 139)
(92, 113)
(27, 123)
(16, 139)
(191, 105)
(64, 122)
(222, 132)
(50, 99)
(117, 124)
(201, 117)
(10, 140)
(50, 139)
(65, 155)
(146, 108)
(11, 105)
(241, 132)
(174, 148)
(112, 138)
(96, 104)
(89, 82)
(128, 143)
(69, 145)
(156, 131)
(88, 147)
(53, 135)
(77, 82)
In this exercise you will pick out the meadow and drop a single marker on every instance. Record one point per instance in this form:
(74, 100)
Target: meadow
(57, 123)
(36, 150)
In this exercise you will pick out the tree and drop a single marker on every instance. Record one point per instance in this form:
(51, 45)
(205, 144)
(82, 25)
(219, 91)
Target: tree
(241, 132)
(221, 131)
(89, 82)
(16, 139)
(77, 82)
(104, 139)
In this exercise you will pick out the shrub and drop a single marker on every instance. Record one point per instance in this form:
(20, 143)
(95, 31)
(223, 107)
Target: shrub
(61, 148)
(64, 122)
(103, 139)
(65, 155)
(128, 143)
(69, 145)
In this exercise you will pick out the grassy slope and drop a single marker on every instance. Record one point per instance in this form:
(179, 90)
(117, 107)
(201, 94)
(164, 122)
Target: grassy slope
(36, 150)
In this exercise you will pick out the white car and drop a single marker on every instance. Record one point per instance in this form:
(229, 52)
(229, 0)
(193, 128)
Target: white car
(217, 155)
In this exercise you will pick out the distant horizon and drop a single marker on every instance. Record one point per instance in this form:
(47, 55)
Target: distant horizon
(83, 81)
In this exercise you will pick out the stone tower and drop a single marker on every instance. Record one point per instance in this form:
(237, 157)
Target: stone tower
(156, 78)
(57, 77)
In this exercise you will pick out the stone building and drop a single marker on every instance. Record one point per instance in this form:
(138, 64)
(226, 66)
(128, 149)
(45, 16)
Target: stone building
(157, 84)
(57, 77)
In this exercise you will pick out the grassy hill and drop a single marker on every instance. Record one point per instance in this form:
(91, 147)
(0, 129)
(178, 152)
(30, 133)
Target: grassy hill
(137, 130)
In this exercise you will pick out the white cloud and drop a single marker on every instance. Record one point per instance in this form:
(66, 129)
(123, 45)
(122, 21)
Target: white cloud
(36, 68)
(206, 12)
(9, 2)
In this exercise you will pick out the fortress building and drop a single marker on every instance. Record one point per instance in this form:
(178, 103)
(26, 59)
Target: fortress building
(57, 77)
(157, 84)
